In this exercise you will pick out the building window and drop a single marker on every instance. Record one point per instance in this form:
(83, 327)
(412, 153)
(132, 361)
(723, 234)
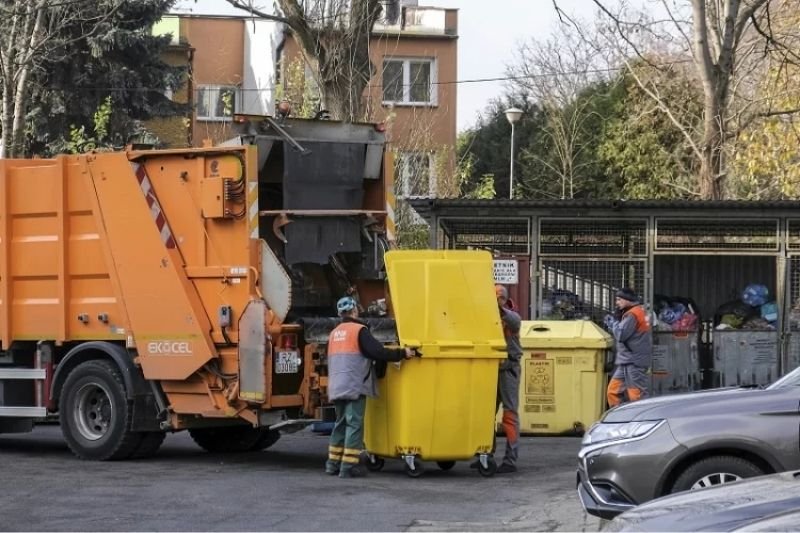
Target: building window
(409, 81)
(216, 102)
(414, 172)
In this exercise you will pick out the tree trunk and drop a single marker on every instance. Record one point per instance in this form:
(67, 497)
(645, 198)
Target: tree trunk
(7, 118)
(712, 175)
(342, 53)
(17, 137)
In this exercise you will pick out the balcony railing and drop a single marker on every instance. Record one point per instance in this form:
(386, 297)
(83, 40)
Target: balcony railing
(420, 20)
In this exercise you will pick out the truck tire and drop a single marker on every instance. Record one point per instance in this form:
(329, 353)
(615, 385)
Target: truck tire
(267, 439)
(234, 439)
(715, 470)
(95, 414)
(151, 442)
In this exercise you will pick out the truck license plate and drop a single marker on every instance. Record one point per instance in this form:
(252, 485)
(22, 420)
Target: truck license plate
(287, 363)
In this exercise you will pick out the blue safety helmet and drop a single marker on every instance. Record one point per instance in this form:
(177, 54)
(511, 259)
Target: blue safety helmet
(345, 304)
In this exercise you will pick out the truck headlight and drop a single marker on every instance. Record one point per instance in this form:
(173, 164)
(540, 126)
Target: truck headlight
(618, 431)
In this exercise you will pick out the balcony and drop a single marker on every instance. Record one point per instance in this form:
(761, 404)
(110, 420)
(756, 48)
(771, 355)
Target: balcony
(418, 21)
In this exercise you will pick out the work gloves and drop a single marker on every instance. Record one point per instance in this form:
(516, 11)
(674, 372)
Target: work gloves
(609, 321)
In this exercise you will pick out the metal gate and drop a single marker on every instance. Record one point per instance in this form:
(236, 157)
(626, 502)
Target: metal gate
(740, 356)
(583, 263)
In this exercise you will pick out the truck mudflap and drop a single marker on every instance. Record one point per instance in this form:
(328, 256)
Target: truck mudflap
(293, 425)
(317, 329)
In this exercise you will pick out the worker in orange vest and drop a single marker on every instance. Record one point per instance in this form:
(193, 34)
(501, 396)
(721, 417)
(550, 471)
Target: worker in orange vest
(351, 378)
(634, 341)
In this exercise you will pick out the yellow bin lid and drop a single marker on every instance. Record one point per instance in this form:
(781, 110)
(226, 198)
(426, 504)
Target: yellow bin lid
(563, 334)
(444, 302)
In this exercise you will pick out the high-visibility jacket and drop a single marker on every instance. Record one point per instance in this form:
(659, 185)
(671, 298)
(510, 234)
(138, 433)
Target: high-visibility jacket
(634, 338)
(349, 371)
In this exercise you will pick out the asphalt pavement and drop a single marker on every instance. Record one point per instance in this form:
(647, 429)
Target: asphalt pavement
(45, 488)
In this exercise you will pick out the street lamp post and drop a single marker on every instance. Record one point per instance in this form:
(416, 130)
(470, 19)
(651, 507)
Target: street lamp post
(513, 115)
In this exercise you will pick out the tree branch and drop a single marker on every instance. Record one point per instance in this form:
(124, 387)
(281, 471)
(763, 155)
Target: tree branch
(247, 5)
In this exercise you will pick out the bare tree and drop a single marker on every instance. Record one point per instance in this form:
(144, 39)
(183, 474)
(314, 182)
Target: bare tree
(721, 39)
(335, 35)
(554, 72)
(32, 32)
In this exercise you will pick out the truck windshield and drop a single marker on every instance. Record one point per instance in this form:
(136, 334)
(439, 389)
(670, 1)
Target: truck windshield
(792, 379)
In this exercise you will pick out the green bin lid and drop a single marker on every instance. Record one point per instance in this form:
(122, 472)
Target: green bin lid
(563, 334)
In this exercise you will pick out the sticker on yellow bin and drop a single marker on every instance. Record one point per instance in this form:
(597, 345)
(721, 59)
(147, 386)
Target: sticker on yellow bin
(440, 407)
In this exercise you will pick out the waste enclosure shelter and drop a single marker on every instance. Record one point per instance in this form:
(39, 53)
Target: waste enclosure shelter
(720, 278)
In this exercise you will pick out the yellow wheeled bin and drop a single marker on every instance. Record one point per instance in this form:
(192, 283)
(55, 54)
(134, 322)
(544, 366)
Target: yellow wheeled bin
(563, 382)
(439, 407)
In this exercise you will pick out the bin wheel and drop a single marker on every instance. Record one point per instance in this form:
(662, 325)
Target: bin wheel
(416, 470)
(375, 463)
(446, 465)
(490, 469)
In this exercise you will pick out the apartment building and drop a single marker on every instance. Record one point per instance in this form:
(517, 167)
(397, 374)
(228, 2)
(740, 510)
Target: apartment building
(415, 51)
(242, 65)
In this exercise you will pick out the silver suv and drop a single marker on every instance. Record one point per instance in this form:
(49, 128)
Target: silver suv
(646, 449)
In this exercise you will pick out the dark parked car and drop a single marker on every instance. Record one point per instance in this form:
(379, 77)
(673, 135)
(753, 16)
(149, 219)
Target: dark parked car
(650, 448)
(767, 503)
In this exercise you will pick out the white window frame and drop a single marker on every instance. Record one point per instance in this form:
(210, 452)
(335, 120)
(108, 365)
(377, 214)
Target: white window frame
(403, 180)
(406, 101)
(216, 88)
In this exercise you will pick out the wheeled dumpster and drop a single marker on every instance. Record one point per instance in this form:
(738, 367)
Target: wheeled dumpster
(563, 381)
(676, 364)
(441, 406)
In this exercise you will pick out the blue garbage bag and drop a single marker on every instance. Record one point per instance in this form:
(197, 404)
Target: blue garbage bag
(769, 312)
(673, 313)
(755, 295)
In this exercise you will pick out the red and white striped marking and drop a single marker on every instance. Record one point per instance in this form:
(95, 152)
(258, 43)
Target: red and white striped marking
(155, 208)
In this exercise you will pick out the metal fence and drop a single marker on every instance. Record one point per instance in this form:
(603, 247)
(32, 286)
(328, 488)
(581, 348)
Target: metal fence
(581, 261)
(504, 236)
(579, 288)
(710, 235)
(593, 238)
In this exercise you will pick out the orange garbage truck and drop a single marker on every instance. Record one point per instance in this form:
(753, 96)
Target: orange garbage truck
(149, 291)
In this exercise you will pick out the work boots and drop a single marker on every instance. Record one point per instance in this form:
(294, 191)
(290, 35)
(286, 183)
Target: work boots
(355, 471)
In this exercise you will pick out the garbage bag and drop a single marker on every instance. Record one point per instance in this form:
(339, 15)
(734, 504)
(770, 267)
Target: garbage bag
(736, 308)
(673, 313)
(687, 322)
(769, 312)
(755, 295)
(757, 323)
(688, 303)
(732, 321)
(563, 305)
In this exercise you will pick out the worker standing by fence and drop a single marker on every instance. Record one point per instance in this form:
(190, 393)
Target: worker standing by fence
(351, 351)
(634, 346)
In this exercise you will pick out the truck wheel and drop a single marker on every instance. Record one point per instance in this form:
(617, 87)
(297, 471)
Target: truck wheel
(151, 442)
(233, 439)
(95, 413)
(267, 439)
(715, 470)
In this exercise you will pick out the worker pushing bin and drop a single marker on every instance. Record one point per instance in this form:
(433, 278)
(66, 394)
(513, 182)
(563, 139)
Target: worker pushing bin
(439, 407)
